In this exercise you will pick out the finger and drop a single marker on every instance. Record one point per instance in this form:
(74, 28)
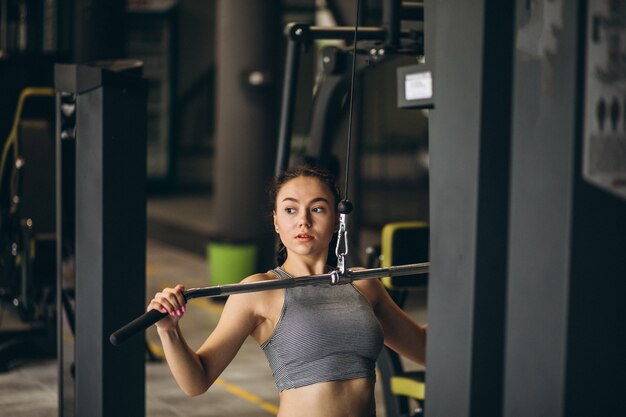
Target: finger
(155, 305)
(176, 298)
(180, 295)
(168, 302)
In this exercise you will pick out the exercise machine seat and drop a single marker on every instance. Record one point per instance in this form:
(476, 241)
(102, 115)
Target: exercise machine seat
(402, 243)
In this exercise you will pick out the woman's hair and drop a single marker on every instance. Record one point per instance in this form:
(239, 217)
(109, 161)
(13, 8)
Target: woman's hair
(302, 171)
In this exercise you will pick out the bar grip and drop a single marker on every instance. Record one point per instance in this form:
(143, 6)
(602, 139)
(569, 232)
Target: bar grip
(140, 323)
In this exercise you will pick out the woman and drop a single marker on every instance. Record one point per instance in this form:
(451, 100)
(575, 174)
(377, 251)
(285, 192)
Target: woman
(321, 341)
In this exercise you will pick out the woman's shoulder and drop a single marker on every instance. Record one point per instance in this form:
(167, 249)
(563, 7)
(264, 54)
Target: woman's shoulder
(369, 284)
(262, 276)
(372, 289)
(252, 299)
(263, 304)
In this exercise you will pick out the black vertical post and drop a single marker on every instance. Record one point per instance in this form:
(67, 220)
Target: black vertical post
(527, 279)
(391, 22)
(565, 334)
(65, 241)
(287, 106)
(110, 233)
(469, 45)
(542, 156)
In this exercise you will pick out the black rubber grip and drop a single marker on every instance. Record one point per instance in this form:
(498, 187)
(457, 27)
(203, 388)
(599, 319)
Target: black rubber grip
(140, 323)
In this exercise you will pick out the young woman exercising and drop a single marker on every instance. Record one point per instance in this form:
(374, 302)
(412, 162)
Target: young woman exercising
(321, 341)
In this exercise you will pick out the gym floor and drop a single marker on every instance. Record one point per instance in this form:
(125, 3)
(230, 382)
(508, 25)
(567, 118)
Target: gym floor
(245, 389)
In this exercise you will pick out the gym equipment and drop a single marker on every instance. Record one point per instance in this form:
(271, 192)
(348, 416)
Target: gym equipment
(333, 278)
(27, 231)
(401, 242)
(101, 172)
(400, 34)
(380, 43)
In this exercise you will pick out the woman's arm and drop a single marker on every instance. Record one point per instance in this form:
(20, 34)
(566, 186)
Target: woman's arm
(402, 333)
(195, 372)
(185, 365)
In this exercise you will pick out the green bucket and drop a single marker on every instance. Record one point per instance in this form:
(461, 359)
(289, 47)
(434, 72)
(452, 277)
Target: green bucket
(230, 263)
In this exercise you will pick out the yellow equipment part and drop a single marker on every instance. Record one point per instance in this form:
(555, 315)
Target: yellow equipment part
(408, 387)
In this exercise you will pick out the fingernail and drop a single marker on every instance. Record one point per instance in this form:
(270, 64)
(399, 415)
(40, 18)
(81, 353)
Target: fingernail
(183, 308)
(163, 310)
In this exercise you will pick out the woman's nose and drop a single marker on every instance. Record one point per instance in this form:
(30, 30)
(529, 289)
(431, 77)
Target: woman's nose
(304, 220)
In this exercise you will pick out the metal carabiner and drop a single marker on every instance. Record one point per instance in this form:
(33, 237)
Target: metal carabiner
(342, 243)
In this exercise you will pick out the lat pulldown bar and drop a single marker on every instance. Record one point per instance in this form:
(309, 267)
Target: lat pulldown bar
(333, 278)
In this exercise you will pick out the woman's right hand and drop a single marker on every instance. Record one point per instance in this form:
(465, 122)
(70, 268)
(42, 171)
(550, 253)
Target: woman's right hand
(171, 301)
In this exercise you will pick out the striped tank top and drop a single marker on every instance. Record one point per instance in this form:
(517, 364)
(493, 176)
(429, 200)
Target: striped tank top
(325, 333)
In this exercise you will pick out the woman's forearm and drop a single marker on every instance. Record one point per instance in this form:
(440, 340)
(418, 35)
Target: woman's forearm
(186, 366)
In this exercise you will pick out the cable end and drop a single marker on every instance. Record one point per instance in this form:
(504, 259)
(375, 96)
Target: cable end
(344, 207)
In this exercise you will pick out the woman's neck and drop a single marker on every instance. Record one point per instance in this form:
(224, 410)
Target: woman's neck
(299, 266)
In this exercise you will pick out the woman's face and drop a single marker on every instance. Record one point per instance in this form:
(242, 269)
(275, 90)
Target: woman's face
(305, 216)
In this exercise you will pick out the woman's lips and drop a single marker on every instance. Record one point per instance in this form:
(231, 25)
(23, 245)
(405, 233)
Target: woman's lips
(304, 236)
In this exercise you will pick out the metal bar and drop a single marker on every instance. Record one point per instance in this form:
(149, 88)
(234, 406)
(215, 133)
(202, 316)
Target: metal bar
(391, 271)
(290, 84)
(391, 22)
(306, 33)
(333, 278)
(347, 33)
(412, 10)
(228, 289)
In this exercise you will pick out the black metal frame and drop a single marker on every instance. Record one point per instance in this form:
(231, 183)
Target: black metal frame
(388, 38)
(101, 168)
(19, 290)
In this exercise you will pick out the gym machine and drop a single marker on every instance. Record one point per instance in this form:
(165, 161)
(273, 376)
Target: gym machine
(27, 235)
(101, 223)
(378, 43)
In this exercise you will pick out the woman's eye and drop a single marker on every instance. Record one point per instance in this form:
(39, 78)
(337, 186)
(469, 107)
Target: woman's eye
(318, 209)
(290, 210)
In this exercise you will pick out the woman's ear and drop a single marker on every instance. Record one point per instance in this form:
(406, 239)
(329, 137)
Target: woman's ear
(274, 217)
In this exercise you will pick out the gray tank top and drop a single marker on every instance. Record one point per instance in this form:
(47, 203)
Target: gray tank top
(325, 333)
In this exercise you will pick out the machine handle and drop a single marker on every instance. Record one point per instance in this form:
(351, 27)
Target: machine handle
(140, 323)
(332, 278)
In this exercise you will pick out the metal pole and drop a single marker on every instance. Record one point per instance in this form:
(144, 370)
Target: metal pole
(290, 83)
(332, 278)
(391, 21)
(365, 33)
